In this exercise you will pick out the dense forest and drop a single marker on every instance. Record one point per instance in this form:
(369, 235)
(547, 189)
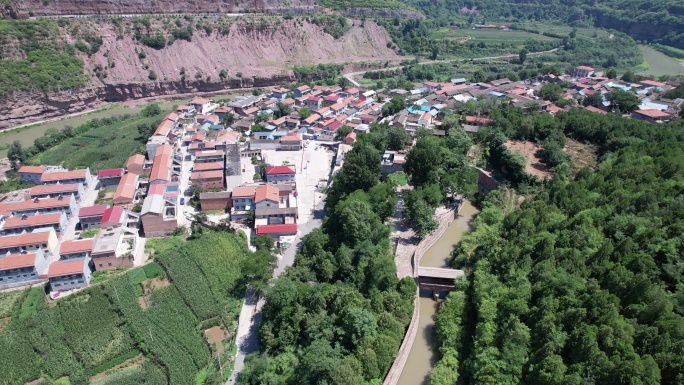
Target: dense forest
(661, 21)
(154, 315)
(338, 315)
(583, 283)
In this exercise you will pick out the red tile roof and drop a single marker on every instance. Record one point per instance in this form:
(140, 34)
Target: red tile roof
(53, 189)
(280, 170)
(92, 211)
(33, 220)
(110, 173)
(265, 192)
(25, 239)
(126, 187)
(17, 261)
(653, 113)
(137, 159)
(274, 229)
(584, 68)
(204, 175)
(653, 83)
(162, 163)
(32, 169)
(243, 192)
(594, 109)
(76, 246)
(57, 176)
(478, 119)
(334, 125)
(209, 166)
(61, 268)
(199, 101)
(112, 216)
(48, 203)
(313, 99)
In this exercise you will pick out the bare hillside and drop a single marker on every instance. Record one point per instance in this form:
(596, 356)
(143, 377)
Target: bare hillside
(240, 52)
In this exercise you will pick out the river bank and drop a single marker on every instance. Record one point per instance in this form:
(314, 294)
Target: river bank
(418, 353)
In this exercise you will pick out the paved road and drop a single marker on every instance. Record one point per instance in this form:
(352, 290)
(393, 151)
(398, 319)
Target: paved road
(250, 315)
(350, 76)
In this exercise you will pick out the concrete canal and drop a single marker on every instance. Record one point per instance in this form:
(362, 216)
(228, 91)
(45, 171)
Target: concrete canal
(423, 355)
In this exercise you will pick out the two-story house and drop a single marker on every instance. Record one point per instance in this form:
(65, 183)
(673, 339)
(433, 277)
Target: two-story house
(23, 268)
(45, 240)
(31, 174)
(313, 103)
(280, 174)
(74, 190)
(243, 198)
(71, 274)
(89, 217)
(26, 223)
(65, 177)
(77, 249)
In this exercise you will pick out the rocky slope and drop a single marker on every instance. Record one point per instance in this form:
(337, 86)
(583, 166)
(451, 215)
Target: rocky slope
(250, 57)
(27, 8)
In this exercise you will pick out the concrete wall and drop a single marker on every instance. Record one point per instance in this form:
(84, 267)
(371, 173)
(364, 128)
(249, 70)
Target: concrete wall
(111, 262)
(155, 226)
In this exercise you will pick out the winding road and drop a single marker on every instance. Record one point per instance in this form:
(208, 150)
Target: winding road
(250, 315)
(350, 76)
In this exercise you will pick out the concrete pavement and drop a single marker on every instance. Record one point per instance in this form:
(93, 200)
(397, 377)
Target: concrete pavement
(250, 315)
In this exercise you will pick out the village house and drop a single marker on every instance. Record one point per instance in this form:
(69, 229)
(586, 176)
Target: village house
(110, 177)
(582, 72)
(65, 205)
(68, 275)
(291, 142)
(110, 251)
(329, 131)
(652, 116)
(90, 217)
(28, 223)
(243, 198)
(350, 138)
(280, 174)
(43, 239)
(244, 105)
(207, 179)
(77, 249)
(74, 190)
(215, 200)
(209, 156)
(158, 216)
(301, 91)
(280, 93)
(126, 191)
(277, 231)
(67, 177)
(201, 105)
(31, 174)
(479, 121)
(136, 165)
(22, 269)
(313, 103)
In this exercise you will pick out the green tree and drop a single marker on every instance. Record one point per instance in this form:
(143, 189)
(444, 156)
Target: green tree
(551, 91)
(223, 74)
(16, 154)
(228, 119)
(264, 242)
(397, 138)
(629, 77)
(424, 161)
(342, 133)
(152, 75)
(383, 198)
(623, 101)
(305, 112)
(611, 74)
(151, 109)
(593, 100)
(522, 56)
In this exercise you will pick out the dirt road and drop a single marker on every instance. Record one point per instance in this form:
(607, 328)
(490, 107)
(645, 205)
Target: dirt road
(350, 76)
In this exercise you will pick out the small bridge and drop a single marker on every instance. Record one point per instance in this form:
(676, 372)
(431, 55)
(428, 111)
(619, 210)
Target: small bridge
(436, 282)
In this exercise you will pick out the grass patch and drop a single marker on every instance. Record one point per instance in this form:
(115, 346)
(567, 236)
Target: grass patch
(161, 245)
(153, 270)
(107, 146)
(8, 300)
(398, 178)
(90, 233)
(660, 64)
(29, 307)
(103, 275)
(113, 362)
(137, 275)
(201, 376)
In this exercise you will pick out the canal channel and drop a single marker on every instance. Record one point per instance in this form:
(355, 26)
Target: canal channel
(423, 354)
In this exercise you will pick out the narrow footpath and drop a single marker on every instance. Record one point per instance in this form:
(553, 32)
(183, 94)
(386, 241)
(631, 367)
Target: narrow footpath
(250, 315)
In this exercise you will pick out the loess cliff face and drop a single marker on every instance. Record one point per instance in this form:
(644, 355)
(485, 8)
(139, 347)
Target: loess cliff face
(27, 8)
(249, 57)
(240, 52)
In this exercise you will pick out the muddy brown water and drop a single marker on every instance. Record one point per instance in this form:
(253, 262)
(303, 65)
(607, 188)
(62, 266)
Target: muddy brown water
(423, 354)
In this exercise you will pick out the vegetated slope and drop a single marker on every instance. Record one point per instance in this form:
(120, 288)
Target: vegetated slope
(661, 21)
(27, 8)
(583, 284)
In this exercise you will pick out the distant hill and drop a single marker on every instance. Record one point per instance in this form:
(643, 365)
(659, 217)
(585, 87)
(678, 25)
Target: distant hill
(656, 21)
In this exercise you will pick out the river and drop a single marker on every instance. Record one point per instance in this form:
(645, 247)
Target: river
(26, 135)
(423, 355)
